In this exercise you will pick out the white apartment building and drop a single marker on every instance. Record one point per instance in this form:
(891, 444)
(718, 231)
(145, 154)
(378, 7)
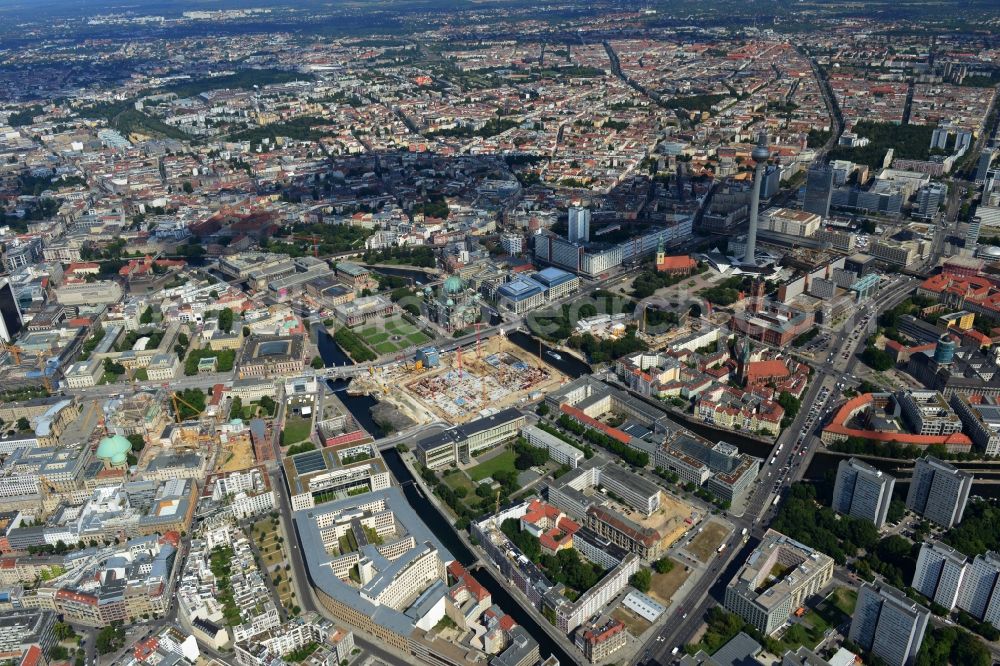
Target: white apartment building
(940, 573)
(889, 624)
(862, 491)
(559, 451)
(939, 491)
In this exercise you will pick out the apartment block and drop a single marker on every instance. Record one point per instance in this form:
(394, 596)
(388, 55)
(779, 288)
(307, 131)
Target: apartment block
(940, 573)
(889, 624)
(862, 491)
(939, 491)
(978, 595)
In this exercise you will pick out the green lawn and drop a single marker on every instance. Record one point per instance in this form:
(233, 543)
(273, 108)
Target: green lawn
(830, 613)
(503, 461)
(296, 430)
(459, 480)
(378, 337)
(844, 599)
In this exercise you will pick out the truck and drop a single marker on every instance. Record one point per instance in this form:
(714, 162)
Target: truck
(675, 651)
(744, 532)
(777, 498)
(721, 548)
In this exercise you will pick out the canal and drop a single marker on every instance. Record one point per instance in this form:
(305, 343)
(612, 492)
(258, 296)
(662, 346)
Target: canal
(441, 526)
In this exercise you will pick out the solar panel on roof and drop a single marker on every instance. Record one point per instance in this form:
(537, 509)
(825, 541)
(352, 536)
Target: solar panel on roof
(311, 461)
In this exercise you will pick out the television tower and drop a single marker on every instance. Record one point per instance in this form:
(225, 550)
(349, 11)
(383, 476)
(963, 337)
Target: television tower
(760, 154)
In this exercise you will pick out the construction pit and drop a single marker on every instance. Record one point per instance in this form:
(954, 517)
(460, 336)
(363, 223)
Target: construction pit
(464, 385)
(236, 453)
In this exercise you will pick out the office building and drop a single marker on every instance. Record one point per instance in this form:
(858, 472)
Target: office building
(11, 322)
(776, 579)
(790, 222)
(579, 225)
(862, 491)
(972, 235)
(600, 638)
(461, 443)
(888, 624)
(819, 189)
(938, 491)
(983, 166)
(561, 452)
(927, 413)
(929, 199)
(940, 573)
(980, 417)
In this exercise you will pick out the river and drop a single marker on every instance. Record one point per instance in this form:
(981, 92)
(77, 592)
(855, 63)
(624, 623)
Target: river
(566, 364)
(415, 277)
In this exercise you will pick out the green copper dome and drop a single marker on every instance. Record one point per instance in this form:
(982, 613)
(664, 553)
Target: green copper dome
(453, 285)
(114, 449)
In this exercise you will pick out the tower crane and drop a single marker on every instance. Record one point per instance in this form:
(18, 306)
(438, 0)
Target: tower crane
(177, 411)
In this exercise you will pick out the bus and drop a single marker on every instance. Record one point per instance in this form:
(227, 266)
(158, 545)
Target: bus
(777, 498)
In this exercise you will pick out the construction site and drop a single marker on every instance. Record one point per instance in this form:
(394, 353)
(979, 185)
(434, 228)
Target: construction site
(464, 385)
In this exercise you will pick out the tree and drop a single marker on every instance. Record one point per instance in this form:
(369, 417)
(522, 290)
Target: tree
(663, 565)
(641, 580)
(186, 186)
(147, 315)
(226, 320)
(268, 404)
(23, 425)
(317, 363)
(236, 407)
(110, 638)
(63, 631)
(246, 331)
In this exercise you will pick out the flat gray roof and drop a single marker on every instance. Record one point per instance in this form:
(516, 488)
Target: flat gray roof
(318, 560)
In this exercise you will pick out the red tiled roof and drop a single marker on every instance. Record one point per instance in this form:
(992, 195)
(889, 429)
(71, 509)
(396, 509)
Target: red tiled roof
(838, 426)
(595, 424)
(676, 263)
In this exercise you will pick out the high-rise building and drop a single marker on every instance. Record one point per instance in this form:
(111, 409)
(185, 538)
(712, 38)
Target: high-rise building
(929, 199)
(759, 155)
(972, 236)
(940, 573)
(10, 314)
(938, 491)
(939, 138)
(862, 491)
(819, 190)
(979, 595)
(579, 225)
(772, 181)
(889, 624)
(985, 159)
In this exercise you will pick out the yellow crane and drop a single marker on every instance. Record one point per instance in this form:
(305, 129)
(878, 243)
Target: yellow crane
(177, 410)
(14, 351)
(46, 381)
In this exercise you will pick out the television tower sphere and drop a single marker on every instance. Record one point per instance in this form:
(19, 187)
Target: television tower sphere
(760, 152)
